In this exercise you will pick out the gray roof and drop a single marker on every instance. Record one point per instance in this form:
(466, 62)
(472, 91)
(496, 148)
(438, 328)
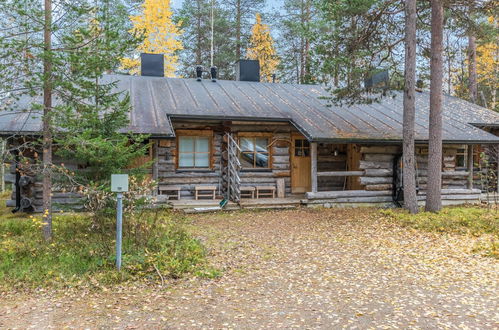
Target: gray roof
(157, 101)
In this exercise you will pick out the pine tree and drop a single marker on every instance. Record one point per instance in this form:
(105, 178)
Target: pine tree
(242, 11)
(409, 157)
(66, 68)
(262, 49)
(356, 39)
(161, 35)
(195, 16)
(434, 189)
(295, 42)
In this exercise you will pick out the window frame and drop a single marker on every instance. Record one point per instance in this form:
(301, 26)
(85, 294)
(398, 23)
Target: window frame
(195, 134)
(463, 154)
(302, 148)
(255, 135)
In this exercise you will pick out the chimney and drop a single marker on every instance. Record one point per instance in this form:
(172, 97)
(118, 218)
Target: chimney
(152, 65)
(248, 70)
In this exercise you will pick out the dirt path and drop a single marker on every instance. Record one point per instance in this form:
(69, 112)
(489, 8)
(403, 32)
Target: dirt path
(302, 268)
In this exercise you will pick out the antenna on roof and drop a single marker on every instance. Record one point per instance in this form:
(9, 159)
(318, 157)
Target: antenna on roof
(212, 28)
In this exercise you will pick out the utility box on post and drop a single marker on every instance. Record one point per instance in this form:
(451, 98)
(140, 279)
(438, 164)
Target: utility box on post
(119, 182)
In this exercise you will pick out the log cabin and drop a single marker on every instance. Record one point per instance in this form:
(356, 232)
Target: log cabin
(250, 142)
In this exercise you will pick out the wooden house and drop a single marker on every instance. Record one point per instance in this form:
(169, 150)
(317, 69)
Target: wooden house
(247, 140)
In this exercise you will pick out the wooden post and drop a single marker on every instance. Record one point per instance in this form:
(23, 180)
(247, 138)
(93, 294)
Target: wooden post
(313, 167)
(470, 166)
(155, 164)
(497, 160)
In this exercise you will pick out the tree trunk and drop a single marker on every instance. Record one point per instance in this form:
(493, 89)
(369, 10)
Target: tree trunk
(306, 50)
(434, 188)
(473, 85)
(47, 132)
(409, 159)
(238, 30)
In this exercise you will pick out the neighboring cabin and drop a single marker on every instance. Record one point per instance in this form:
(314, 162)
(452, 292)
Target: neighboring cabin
(238, 134)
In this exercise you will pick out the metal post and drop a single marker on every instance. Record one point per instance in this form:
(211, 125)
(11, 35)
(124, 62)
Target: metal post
(228, 165)
(2, 169)
(119, 216)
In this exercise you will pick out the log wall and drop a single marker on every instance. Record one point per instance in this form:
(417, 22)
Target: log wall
(328, 162)
(280, 140)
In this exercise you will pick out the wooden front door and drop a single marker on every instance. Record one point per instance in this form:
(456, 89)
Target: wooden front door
(300, 165)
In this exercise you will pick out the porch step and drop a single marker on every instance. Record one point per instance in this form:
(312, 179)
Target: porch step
(190, 204)
(270, 203)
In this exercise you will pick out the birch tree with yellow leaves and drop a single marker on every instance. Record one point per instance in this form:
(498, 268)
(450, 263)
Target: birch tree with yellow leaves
(161, 36)
(262, 49)
(488, 69)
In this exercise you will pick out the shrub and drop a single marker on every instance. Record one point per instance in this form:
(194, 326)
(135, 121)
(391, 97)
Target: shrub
(80, 255)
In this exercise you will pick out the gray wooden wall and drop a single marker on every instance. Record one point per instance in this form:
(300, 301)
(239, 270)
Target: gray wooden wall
(280, 145)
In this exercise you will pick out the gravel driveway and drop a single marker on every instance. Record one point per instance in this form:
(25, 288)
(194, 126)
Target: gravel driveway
(302, 268)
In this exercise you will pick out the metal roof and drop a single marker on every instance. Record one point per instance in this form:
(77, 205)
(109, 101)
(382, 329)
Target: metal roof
(156, 101)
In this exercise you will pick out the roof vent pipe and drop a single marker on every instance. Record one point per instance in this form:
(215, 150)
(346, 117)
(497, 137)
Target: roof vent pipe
(199, 72)
(213, 72)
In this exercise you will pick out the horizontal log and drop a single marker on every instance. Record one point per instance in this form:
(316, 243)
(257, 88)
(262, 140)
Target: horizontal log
(280, 174)
(280, 159)
(459, 191)
(276, 151)
(374, 187)
(372, 199)
(365, 180)
(283, 166)
(256, 174)
(461, 197)
(455, 174)
(346, 193)
(331, 158)
(341, 173)
(183, 180)
(378, 172)
(370, 164)
(380, 149)
(379, 157)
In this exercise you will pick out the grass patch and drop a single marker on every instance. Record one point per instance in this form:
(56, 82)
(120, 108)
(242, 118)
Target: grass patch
(475, 221)
(157, 243)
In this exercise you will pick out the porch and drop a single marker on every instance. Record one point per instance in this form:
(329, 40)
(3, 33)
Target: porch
(195, 206)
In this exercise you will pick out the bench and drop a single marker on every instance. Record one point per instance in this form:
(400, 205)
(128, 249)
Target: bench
(205, 191)
(247, 192)
(265, 191)
(169, 191)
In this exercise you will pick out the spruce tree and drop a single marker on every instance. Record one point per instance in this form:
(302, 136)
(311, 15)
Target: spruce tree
(262, 49)
(57, 65)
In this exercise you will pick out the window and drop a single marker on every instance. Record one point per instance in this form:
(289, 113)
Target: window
(193, 151)
(302, 148)
(254, 152)
(462, 158)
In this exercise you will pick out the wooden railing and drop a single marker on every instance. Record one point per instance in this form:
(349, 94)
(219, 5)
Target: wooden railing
(232, 179)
